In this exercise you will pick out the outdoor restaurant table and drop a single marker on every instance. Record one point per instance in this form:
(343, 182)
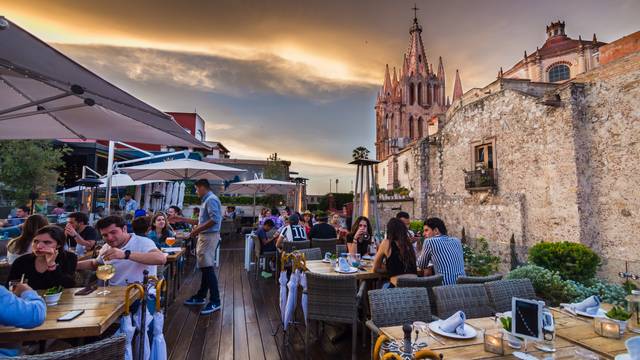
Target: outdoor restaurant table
(174, 275)
(579, 330)
(100, 312)
(319, 267)
(474, 348)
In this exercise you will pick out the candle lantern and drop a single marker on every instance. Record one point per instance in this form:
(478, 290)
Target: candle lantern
(493, 342)
(607, 328)
(634, 309)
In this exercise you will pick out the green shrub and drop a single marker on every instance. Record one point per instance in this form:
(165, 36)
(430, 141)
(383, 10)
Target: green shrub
(478, 259)
(573, 261)
(416, 226)
(608, 292)
(547, 284)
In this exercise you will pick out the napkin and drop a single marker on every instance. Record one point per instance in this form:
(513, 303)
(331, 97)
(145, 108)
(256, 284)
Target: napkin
(454, 324)
(589, 305)
(327, 256)
(343, 265)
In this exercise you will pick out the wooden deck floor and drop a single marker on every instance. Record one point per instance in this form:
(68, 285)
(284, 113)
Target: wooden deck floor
(243, 328)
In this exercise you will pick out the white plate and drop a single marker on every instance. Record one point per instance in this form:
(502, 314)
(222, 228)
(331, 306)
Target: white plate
(600, 313)
(351, 270)
(367, 257)
(470, 332)
(326, 261)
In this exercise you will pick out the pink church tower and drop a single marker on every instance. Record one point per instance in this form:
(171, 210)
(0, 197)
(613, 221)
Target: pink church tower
(407, 102)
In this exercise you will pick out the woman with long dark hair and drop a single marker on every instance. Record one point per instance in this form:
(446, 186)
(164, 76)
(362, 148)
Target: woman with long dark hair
(360, 236)
(49, 264)
(22, 244)
(396, 251)
(160, 229)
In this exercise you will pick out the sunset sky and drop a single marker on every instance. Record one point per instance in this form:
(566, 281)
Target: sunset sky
(298, 77)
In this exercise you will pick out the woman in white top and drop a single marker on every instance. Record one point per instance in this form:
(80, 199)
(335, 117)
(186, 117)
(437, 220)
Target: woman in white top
(22, 244)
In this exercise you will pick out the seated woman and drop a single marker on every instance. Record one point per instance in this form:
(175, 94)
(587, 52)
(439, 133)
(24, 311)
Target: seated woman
(160, 230)
(21, 245)
(443, 251)
(397, 252)
(177, 225)
(49, 264)
(359, 238)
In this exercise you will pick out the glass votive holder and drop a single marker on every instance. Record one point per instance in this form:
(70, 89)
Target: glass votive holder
(493, 342)
(606, 328)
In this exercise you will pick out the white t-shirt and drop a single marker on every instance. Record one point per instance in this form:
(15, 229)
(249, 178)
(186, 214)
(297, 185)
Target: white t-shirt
(294, 233)
(128, 271)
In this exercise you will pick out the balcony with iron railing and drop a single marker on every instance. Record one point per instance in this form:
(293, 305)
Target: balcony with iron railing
(480, 180)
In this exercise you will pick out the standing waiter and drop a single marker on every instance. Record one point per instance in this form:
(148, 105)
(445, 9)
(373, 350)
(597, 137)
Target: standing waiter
(208, 235)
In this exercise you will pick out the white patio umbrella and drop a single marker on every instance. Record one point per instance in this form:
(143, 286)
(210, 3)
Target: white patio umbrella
(181, 169)
(168, 195)
(260, 187)
(283, 293)
(46, 95)
(292, 298)
(143, 331)
(180, 201)
(118, 180)
(138, 194)
(127, 328)
(148, 189)
(159, 345)
(303, 283)
(175, 193)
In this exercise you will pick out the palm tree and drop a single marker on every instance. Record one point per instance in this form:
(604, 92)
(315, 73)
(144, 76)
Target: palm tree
(360, 153)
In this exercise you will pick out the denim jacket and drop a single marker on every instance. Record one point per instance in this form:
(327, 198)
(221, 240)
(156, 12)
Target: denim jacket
(26, 311)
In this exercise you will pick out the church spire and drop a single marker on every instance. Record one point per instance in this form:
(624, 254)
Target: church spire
(457, 87)
(416, 56)
(387, 80)
(440, 68)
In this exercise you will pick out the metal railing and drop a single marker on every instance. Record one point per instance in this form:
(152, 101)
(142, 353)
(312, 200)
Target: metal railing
(479, 180)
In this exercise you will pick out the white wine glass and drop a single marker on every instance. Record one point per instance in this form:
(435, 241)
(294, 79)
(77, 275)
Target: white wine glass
(104, 273)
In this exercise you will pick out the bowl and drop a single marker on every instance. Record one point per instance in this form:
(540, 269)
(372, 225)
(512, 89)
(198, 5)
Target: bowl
(52, 299)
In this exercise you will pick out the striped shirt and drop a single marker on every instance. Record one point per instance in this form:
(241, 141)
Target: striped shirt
(446, 255)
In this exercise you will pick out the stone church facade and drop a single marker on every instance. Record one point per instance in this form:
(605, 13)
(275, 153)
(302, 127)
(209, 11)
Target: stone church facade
(540, 161)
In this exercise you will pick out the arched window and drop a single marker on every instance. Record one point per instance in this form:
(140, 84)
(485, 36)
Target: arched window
(399, 127)
(419, 93)
(429, 92)
(420, 128)
(412, 94)
(559, 72)
(411, 132)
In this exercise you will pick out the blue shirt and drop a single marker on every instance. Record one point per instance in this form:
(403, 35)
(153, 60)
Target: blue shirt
(211, 209)
(128, 206)
(447, 257)
(26, 311)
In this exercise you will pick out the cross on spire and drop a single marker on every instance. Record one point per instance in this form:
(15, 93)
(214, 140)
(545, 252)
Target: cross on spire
(415, 10)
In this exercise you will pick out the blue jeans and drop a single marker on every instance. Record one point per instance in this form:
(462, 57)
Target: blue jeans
(209, 283)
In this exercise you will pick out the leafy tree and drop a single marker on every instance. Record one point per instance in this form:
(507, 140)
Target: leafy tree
(360, 153)
(276, 168)
(30, 166)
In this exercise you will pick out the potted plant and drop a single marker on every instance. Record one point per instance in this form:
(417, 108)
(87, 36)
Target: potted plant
(52, 295)
(513, 341)
(619, 315)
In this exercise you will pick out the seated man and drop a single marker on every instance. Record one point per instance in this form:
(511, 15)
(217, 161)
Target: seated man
(322, 230)
(292, 232)
(79, 232)
(25, 309)
(443, 251)
(141, 225)
(21, 215)
(130, 254)
(268, 242)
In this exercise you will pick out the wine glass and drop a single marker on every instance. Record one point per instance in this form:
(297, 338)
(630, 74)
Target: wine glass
(104, 273)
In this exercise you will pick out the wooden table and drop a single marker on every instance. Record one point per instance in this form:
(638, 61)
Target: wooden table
(579, 330)
(474, 348)
(100, 312)
(319, 267)
(174, 275)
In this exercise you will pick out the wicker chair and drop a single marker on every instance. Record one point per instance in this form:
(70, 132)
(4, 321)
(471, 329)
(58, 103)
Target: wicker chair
(395, 306)
(428, 282)
(478, 279)
(261, 259)
(290, 246)
(500, 292)
(325, 245)
(470, 298)
(111, 348)
(333, 298)
(312, 254)
(341, 249)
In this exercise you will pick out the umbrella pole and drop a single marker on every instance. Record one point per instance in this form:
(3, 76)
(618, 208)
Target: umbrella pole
(112, 145)
(254, 207)
(143, 314)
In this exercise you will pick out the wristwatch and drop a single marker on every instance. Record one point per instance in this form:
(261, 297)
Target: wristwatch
(127, 253)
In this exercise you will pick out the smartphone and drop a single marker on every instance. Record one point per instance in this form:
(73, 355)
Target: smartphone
(71, 315)
(86, 291)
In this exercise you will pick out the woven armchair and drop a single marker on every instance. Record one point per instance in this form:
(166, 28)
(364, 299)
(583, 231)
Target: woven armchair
(478, 279)
(325, 245)
(470, 298)
(290, 246)
(333, 298)
(311, 254)
(427, 282)
(341, 249)
(111, 348)
(261, 259)
(501, 292)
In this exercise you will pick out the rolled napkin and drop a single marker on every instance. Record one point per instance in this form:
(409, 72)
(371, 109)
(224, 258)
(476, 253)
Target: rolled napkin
(343, 265)
(327, 256)
(589, 305)
(454, 324)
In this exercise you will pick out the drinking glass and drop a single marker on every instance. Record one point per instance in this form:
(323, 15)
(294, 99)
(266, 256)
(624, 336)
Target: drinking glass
(104, 273)
(170, 241)
(355, 260)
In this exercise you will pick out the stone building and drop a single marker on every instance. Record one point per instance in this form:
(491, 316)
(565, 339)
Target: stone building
(409, 106)
(560, 58)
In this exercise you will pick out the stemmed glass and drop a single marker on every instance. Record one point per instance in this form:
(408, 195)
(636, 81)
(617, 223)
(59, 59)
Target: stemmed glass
(104, 273)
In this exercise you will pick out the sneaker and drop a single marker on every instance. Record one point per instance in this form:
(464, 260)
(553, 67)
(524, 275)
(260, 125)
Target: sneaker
(194, 300)
(210, 308)
(266, 275)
